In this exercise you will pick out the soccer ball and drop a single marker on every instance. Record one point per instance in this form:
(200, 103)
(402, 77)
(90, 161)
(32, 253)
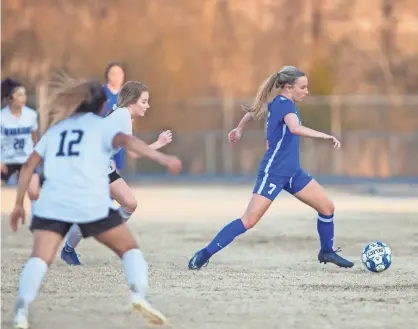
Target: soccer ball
(376, 256)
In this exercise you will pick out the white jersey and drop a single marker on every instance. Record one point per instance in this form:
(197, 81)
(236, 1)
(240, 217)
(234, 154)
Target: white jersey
(75, 156)
(16, 135)
(119, 118)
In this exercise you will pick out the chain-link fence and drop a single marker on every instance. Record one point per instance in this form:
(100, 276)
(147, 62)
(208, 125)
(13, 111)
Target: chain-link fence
(379, 136)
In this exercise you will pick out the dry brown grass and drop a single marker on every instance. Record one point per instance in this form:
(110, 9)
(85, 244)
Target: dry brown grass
(268, 278)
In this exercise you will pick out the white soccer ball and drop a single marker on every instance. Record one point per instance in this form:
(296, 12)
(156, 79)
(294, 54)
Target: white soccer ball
(376, 256)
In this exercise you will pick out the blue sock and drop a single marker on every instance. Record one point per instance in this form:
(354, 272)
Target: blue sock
(325, 226)
(225, 236)
(67, 248)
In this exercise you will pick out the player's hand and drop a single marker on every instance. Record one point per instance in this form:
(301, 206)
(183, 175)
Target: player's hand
(165, 138)
(173, 164)
(18, 214)
(4, 169)
(234, 135)
(335, 141)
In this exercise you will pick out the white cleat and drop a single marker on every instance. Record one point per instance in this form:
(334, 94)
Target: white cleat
(21, 319)
(145, 310)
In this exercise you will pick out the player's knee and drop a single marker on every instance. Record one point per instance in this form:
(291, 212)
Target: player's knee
(250, 220)
(327, 208)
(130, 205)
(48, 258)
(122, 248)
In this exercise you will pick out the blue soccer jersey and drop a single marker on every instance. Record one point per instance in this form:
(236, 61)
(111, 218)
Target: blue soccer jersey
(282, 155)
(280, 167)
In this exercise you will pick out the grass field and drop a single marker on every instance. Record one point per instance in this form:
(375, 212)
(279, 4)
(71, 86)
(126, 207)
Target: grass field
(268, 278)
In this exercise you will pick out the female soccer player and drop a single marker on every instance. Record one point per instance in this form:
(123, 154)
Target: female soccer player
(115, 77)
(75, 150)
(132, 103)
(280, 168)
(19, 128)
(19, 132)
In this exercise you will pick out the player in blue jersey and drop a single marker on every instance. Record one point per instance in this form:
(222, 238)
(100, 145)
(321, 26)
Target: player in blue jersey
(280, 167)
(115, 77)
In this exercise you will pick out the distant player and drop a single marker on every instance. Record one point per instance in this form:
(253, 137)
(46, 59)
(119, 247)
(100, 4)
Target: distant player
(19, 132)
(115, 77)
(132, 103)
(75, 151)
(280, 168)
(19, 128)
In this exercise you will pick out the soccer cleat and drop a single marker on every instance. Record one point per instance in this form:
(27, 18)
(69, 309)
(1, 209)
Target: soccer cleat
(144, 309)
(199, 260)
(70, 257)
(21, 318)
(333, 257)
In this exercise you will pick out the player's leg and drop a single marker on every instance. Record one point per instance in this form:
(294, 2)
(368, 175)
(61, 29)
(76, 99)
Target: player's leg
(113, 233)
(121, 192)
(5, 176)
(10, 170)
(47, 235)
(310, 192)
(265, 191)
(68, 253)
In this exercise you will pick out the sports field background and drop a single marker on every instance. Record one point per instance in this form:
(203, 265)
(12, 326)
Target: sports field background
(268, 278)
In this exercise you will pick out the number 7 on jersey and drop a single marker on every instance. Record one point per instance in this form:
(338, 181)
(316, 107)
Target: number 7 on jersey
(272, 187)
(71, 139)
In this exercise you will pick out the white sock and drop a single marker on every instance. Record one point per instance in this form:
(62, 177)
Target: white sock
(136, 272)
(124, 213)
(74, 237)
(31, 280)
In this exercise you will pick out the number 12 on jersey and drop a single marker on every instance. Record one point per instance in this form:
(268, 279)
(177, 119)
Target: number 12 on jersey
(68, 143)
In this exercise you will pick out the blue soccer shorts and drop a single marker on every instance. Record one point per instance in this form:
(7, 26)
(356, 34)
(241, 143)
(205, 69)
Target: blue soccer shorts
(270, 186)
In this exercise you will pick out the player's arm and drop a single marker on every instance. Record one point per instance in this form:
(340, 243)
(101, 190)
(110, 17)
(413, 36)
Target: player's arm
(35, 136)
(236, 133)
(3, 166)
(155, 146)
(244, 121)
(165, 138)
(136, 147)
(4, 169)
(140, 148)
(35, 130)
(293, 123)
